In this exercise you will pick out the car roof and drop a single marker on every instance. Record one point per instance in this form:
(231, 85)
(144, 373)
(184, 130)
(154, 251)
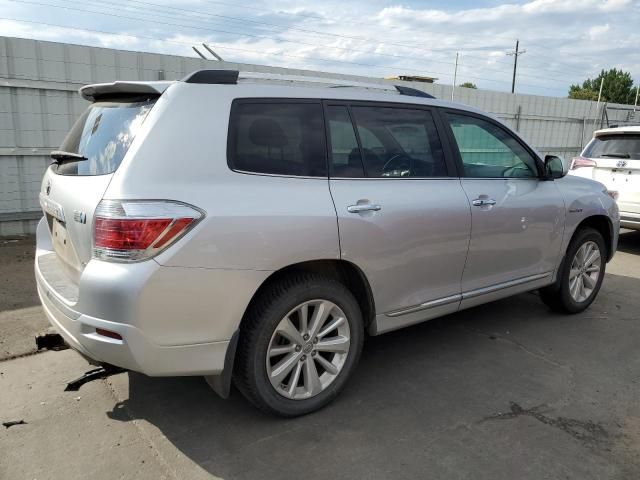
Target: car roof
(273, 85)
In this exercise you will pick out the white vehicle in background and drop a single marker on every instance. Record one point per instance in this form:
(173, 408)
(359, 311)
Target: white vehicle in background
(612, 157)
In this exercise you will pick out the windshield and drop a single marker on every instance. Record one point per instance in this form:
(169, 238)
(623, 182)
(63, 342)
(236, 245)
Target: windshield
(617, 146)
(103, 134)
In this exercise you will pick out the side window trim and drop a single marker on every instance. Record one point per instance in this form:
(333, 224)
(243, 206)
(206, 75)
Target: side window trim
(359, 140)
(327, 130)
(458, 156)
(441, 126)
(232, 131)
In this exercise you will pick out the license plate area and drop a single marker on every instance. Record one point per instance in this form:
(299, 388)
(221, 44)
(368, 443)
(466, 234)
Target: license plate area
(623, 179)
(61, 241)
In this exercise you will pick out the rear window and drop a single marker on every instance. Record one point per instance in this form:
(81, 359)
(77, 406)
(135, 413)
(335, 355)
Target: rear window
(103, 134)
(614, 146)
(278, 138)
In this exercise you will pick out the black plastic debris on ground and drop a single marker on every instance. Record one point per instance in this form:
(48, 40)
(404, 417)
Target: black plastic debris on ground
(13, 422)
(94, 374)
(51, 341)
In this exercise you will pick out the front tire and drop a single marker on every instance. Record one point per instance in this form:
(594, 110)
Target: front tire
(580, 275)
(299, 343)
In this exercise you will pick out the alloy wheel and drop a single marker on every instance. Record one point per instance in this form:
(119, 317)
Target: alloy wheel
(585, 271)
(308, 349)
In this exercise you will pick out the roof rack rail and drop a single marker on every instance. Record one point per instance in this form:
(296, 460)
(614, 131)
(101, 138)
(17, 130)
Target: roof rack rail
(224, 77)
(324, 81)
(231, 77)
(413, 92)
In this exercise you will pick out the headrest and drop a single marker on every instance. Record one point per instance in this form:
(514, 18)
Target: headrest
(266, 132)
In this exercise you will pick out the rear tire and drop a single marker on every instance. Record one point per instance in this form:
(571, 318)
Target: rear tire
(580, 275)
(290, 361)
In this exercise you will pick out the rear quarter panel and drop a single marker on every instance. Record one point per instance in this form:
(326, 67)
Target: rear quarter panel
(253, 222)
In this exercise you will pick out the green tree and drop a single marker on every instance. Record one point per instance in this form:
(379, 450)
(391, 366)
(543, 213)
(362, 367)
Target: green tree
(617, 87)
(468, 85)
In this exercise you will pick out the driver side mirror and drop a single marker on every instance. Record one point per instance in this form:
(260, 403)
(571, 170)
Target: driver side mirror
(555, 167)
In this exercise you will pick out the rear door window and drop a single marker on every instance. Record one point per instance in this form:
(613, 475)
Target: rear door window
(278, 138)
(614, 146)
(103, 135)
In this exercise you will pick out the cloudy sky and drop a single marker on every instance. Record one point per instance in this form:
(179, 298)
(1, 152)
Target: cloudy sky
(566, 41)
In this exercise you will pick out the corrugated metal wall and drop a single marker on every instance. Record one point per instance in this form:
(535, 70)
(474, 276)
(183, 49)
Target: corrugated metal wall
(39, 103)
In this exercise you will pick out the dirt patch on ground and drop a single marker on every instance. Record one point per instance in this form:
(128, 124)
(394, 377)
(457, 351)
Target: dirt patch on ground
(17, 284)
(21, 317)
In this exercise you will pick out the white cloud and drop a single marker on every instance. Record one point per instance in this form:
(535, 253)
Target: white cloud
(614, 5)
(598, 30)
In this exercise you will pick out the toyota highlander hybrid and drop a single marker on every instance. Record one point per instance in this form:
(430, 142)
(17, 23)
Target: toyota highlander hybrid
(252, 229)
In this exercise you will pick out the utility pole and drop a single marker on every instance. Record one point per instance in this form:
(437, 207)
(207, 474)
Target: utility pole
(455, 77)
(515, 54)
(635, 104)
(595, 118)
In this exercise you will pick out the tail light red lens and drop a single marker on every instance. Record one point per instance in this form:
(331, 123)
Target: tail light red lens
(128, 234)
(138, 230)
(579, 162)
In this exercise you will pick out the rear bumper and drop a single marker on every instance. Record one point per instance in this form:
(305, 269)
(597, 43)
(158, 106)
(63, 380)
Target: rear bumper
(172, 320)
(134, 351)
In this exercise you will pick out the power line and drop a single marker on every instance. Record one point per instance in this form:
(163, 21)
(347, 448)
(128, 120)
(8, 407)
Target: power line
(226, 17)
(385, 67)
(404, 45)
(307, 30)
(146, 19)
(288, 27)
(315, 32)
(352, 22)
(228, 32)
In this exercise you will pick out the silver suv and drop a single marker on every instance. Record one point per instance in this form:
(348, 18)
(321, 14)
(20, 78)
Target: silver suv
(253, 229)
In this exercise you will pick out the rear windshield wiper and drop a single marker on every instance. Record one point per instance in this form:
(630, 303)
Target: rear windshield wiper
(616, 155)
(60, 156)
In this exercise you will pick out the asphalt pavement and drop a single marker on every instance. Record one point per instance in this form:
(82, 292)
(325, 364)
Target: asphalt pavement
(508, 390)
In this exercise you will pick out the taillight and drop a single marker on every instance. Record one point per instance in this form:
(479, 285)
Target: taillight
(579, 162)
(134, 230)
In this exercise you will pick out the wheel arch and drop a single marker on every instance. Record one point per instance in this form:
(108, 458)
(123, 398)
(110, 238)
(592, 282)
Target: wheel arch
(344, 271)
(602, 224)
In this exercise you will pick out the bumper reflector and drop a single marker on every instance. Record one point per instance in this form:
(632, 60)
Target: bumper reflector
(108, 333)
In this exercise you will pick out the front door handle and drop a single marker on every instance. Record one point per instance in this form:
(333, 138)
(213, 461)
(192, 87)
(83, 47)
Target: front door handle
(363, 207)
(481, 202)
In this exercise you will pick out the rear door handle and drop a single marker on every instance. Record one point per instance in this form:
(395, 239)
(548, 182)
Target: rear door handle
(481, 202)
(364, 207)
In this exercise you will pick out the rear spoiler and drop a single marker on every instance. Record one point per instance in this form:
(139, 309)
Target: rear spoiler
(100, 90)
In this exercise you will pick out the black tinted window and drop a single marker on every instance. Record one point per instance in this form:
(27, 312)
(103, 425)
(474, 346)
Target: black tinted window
(345, 153)
(489, 151)
(103, 134)
(399, 142)
(614, 146)
(278, 138)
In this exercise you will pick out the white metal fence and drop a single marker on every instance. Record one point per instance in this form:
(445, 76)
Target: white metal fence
(39, 103)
